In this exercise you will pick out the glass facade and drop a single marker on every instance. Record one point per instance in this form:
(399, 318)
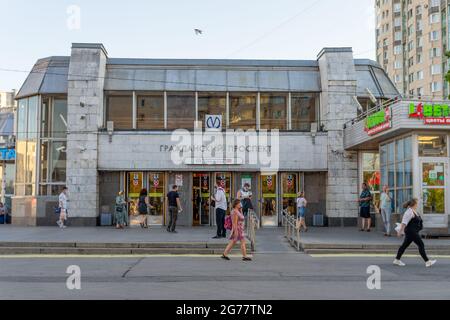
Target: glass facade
(26, 145)
(274, 111)
(243, 111)
(212, 104)
(120, 110)
(150, 111)
(396, 170)
(53, 145)
(303, 111)
(180, 110)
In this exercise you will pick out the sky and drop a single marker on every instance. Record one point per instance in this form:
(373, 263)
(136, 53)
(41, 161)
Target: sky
(232, 29)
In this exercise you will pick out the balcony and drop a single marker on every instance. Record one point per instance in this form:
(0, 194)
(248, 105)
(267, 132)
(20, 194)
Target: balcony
(392, 119)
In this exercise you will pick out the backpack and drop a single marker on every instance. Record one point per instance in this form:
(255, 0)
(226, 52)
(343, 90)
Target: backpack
(228, 223)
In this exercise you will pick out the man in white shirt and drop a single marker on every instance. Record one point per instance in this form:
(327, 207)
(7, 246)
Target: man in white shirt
(62, 205)
(221, 206)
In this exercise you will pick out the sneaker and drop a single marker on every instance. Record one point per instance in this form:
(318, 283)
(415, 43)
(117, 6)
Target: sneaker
(399, 263)
(58, 223)
(430, 263)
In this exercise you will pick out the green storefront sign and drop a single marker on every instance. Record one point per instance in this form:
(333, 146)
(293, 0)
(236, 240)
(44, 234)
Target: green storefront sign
(429, 110)
(376, 119)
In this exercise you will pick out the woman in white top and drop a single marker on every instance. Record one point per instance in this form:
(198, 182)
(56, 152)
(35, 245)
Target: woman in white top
(301, 211)
(411, 225)
(386, 210)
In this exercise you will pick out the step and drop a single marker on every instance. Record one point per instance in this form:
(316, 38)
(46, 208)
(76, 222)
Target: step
(373, 251)
(110, 251)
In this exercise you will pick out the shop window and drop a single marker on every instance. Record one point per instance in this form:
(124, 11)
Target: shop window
(303, 110)
(32, 129)
(242, 111)
(396, 170)
(371, 174)
(22, 119)
(273, 111)
(150, 111)
(433, 146)
(120, 110)
(212, 104)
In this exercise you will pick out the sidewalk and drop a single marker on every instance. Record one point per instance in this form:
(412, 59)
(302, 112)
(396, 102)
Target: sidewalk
(107, 235)
(350, 240)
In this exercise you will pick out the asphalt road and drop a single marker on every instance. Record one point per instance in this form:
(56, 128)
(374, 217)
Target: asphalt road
(270, 276)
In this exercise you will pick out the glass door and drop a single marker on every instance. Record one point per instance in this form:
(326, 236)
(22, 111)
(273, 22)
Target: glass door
(201, 199)
(289, 190)
(433, 191)
(156, 187)
(269, 206)
(135, 183)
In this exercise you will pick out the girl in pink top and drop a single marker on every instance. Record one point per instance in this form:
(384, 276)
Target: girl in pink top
(237, 232)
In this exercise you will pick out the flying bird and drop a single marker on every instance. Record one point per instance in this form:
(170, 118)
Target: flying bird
(198, 32)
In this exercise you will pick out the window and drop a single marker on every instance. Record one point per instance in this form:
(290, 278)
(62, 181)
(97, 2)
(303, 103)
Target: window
(434, 18)
(436, 86)
(371, 173)
(150, 111)
(434, 35)
(212, 104)
(419, 75)
(181, 110)
(397, 65)
(398, 50)
(436, 69)
(53, 145)
(242, 111)
(274, 111)
(120, 110)
(303, 110)
(433, 146)
(396, 170)
(27, 133)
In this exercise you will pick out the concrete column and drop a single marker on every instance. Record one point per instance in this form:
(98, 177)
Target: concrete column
(338, 78)
(85, 115)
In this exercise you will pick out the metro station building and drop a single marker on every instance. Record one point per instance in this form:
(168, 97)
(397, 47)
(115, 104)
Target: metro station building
(100, 125)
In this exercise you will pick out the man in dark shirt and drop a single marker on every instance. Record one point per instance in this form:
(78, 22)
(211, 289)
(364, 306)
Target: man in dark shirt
(173, 199)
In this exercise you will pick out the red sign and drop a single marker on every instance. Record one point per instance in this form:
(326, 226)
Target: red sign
(378, 129)
(437, 121)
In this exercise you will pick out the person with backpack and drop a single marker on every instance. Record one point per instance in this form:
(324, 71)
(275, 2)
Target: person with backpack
(237, 231)
(410, 227)
(365, 199)
(143, 207)
(62, 208)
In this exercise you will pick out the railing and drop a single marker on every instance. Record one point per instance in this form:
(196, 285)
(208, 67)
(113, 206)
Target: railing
(291, 232)
(252, 224)
(388, 103)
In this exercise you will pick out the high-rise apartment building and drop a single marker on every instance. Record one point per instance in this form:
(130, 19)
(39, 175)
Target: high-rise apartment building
(412, 38)
(7, 99)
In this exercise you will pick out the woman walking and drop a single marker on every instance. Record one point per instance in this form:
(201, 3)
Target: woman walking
(411, 225)
(143, 207)
(301, 211)
(237, 231)
(386, 210)
(121, 215)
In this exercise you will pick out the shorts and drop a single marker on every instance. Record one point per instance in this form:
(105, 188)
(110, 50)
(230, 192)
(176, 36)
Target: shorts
(301, 212)
(364, 212)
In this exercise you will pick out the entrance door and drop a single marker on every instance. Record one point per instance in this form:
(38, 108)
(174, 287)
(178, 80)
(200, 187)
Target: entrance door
(201, 199)
(135, 183)
(289, 190)
(434, 192)
(156, 188)
(269, 205)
